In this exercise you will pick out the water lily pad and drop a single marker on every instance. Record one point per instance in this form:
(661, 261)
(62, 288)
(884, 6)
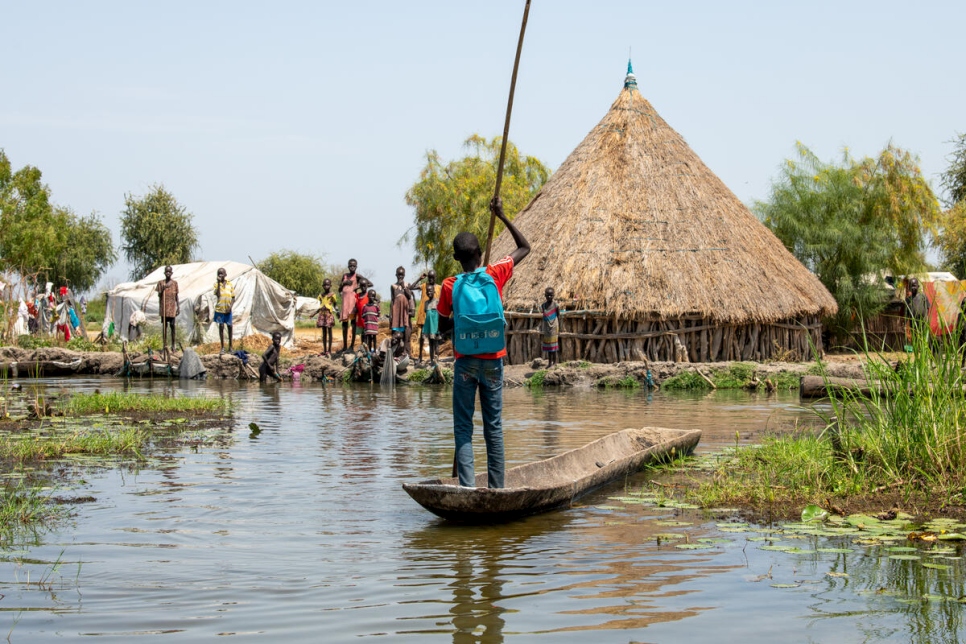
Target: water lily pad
(836, 574)
(670, 536)
(694, 546)
(679, 505)
(952, 536)
(861, 521)
(789, 549)
(905, 557)
(937, 566)
(836, 551)
(785, 585)
(673, 523)
(631, 500)
(608, 507)
(713, 540)
(903, 549)
(813, 513)
(736, 530)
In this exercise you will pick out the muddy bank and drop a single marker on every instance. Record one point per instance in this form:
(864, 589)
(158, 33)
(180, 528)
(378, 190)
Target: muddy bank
(22, 363)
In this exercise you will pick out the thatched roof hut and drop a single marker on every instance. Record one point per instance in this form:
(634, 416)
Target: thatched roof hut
(644, 243)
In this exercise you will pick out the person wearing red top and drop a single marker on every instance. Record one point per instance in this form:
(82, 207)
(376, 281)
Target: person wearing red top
(483, 372)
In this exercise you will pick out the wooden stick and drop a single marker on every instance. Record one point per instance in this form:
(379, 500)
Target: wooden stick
(506, 132)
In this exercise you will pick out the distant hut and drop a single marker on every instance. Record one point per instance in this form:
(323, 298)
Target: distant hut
(651, 251)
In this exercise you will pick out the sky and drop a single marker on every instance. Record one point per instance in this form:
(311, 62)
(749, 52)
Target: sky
(300, 125)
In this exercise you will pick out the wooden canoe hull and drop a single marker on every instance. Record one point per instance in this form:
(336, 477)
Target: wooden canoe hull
(39, 368)
(555, 482)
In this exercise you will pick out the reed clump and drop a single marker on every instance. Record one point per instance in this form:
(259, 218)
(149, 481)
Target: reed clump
(22, 505)
(128, 441)
(121, 402)
(900, 442)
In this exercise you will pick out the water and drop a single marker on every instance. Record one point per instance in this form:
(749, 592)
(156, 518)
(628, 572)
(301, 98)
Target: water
(303, 533)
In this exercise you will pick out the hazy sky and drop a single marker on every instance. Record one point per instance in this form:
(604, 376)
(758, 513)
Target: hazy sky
(300, 125)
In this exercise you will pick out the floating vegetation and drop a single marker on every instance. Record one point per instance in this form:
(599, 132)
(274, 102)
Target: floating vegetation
(63, 434)
(120, 402)
(925, 559)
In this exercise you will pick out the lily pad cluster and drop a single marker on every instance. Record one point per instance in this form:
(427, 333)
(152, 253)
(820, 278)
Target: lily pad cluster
(935, 547)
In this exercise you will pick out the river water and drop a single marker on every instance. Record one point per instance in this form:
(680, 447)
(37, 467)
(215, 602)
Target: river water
(302, 533)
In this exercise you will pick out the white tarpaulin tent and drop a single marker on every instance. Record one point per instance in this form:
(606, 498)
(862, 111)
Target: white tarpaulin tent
(307, 307)
(262, 305)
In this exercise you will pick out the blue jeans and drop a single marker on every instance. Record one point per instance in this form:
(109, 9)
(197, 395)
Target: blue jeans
(470, 374)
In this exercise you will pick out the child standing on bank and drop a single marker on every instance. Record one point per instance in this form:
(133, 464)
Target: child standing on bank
(362, 298)
(550, 327)
(370, 319)
(327, 303)
(430, 329)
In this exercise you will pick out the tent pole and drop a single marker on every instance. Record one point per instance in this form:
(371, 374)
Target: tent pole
(506, 131)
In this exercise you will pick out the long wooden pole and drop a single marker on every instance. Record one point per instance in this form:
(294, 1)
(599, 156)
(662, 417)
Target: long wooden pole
(506, 131)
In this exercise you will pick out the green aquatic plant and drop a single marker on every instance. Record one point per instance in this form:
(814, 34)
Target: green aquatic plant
(738, 375)
(536, 379)
(903, 435)
(22, 504)
(686, 381)
(419, 375)
(786, 380)
(613, 382)
(25, 448)
(118, 402)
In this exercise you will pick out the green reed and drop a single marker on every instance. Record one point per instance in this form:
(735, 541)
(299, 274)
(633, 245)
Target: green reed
(903, 439)
(908, 430)
(120, 402)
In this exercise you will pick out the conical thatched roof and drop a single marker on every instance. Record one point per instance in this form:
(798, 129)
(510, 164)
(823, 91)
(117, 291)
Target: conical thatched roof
(634, 224)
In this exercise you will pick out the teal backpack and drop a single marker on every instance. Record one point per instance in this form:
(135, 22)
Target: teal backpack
(478, 322)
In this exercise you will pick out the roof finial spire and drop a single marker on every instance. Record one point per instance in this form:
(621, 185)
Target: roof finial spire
(630, 81)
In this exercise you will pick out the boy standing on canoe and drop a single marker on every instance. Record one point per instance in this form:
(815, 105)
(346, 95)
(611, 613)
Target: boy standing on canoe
(479, 346)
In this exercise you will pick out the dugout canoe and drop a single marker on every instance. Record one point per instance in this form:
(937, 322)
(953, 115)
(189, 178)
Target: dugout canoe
(556, 482)
(39, 368)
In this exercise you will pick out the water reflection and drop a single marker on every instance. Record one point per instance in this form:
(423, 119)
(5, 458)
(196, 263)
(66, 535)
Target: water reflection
(304, 530)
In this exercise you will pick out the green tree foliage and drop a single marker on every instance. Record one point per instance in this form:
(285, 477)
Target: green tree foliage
(953, 180)
(297, 272)
(89, 253)
(455, 197)
(952, 241)
(39, 240)
(155, 231)
(850, 222)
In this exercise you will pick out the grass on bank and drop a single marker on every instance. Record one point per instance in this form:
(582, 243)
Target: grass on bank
(904, 442)
(737, 375)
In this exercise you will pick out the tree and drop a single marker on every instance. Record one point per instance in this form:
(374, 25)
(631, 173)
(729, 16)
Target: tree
(88, 254)
(39, 240)
(952, 242)
(848, 223)
(455, 197)
(953, 180)
(297, 272)
(28, 224)
(156, 231)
